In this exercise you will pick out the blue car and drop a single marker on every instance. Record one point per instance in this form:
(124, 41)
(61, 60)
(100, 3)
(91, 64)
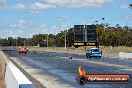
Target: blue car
(94, 52)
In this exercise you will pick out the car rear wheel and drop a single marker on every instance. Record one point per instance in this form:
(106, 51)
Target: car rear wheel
(88, 56)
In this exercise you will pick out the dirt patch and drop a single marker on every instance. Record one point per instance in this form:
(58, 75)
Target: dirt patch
(3, 61)
(2, 81)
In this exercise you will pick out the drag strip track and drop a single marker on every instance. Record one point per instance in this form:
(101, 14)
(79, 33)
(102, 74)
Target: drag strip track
(57, 69)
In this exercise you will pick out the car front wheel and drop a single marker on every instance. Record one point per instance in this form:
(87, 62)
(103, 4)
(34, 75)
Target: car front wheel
(99, 57)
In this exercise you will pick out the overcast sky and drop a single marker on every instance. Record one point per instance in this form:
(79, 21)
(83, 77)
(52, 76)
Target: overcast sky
(24, 18)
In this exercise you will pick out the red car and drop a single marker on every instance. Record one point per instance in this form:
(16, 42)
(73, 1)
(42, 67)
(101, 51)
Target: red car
(23, 51)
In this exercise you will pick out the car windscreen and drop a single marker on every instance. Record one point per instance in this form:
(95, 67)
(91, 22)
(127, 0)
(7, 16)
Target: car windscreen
(94, 50)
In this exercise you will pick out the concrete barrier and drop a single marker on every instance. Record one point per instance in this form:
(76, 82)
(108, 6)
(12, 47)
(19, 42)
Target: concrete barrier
(15, 78)
(125, 55)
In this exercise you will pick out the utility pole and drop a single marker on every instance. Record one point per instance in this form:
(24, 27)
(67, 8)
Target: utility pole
(47, 41)
(85, 29)
(65, 39)
(16, 42)
(97, 38)
(104, 23)
(28, 42)
(38, 44)
(24, 42)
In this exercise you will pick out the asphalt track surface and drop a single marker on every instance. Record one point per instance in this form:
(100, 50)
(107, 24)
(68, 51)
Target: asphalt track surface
(55, 70)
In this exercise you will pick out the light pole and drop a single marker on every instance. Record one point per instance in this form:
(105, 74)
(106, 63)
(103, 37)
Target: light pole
(24, 42)
(16, 42)
(38, 45)
(47, 40)
(97, 40)
(85, 30)
(65, 39)
(65, 35)
(104, 23)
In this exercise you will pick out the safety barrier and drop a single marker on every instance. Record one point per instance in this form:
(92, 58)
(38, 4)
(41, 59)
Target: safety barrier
(125, 55)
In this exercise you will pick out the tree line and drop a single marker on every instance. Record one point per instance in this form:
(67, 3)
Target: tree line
(106, 35)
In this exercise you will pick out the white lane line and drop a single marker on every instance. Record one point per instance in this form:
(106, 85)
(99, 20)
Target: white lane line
(115, 57)
(107, 64)
(127, 69)
(64, 57)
